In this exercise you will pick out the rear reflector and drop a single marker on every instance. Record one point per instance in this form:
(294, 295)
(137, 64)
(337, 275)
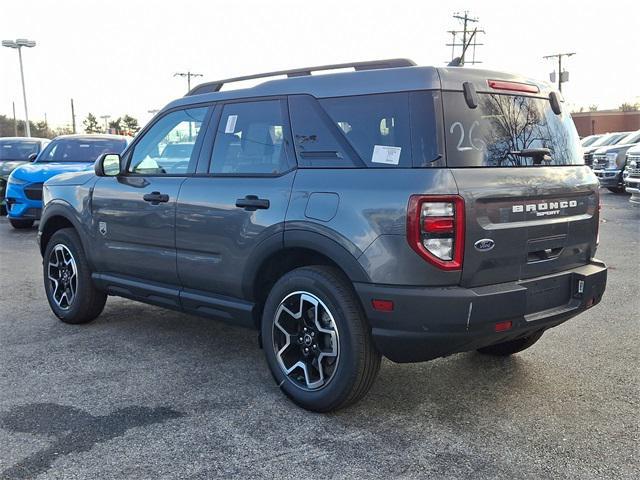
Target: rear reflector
(382, 305)
(513, 86)
(503, 326)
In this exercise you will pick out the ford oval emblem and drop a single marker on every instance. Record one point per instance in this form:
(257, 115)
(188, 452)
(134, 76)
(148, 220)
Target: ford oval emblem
(484, 245)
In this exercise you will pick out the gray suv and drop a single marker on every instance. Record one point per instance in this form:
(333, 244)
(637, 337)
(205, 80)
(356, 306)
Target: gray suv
(411, 212)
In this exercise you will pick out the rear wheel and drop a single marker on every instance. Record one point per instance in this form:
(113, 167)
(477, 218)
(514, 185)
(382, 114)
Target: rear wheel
(317, 341)
(513, 346)
(67, 280)
(21, 224)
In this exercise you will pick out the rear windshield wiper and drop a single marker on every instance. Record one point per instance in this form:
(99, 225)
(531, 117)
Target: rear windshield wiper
(538, 154)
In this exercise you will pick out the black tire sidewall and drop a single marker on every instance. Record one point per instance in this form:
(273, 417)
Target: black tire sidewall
(344, 377)
(76, 313)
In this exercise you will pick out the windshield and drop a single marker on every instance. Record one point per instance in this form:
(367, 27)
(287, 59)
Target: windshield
(611, 140)
(17, 149)
(589, 140)
(633, 137)
(508, 131)
(80, 149)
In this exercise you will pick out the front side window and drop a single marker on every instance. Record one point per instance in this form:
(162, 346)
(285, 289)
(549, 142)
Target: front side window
(167, 148)
(250, 139)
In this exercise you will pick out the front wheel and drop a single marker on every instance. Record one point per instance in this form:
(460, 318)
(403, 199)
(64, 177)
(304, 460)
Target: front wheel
(317, 340)
(67, 279)
(616, 189)
(513, 346)
(20, 224)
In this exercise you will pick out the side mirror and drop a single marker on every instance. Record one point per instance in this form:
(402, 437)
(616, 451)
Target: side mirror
(107, 165)
(32, 157)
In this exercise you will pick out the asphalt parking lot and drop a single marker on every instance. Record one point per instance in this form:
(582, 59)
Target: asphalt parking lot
(147, 393)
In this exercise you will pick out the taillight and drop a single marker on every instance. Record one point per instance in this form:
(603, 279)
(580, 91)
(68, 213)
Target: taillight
(435, 229)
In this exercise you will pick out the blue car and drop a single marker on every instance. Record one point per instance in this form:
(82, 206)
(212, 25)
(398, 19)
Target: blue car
(66, 153)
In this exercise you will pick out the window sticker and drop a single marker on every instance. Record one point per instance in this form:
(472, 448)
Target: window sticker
(231, 124)
(385, 154)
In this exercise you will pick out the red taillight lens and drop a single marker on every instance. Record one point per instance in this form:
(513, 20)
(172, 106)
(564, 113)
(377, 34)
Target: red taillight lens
(435, 229)
(513, 86)
(503, 326)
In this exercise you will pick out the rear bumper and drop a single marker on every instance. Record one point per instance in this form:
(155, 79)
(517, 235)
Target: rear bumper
(431, 322)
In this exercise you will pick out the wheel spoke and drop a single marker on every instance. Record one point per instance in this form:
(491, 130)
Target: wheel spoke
(305, 340)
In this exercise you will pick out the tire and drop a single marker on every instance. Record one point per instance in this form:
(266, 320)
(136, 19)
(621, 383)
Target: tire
(86, 302)
(21, 224)
(513, 346)
(343, 345)
(616, 189)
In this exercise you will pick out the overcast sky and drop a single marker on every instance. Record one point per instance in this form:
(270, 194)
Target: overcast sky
(119, 57)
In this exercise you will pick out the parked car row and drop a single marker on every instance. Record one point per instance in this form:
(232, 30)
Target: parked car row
(32, 161)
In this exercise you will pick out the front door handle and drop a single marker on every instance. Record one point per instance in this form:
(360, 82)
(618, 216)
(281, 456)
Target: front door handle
(155, 198)
(251, 203)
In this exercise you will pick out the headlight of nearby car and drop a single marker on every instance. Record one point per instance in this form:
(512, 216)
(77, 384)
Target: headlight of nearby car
(611, 160)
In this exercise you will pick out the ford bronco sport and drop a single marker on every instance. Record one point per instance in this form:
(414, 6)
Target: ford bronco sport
(411, 212)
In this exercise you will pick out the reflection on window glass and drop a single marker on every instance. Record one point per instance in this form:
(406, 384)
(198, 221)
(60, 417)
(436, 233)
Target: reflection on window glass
(250, 139)
(167, 147)
(507, 131)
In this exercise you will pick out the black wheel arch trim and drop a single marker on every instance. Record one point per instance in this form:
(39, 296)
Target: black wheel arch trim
(58, 208)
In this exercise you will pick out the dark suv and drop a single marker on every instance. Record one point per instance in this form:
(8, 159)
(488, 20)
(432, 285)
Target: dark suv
(411, 212)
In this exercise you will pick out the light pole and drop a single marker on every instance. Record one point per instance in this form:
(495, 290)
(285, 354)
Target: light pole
(18, 44)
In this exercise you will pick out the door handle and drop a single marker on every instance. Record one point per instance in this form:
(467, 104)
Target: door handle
(155, 198)
(251, 203)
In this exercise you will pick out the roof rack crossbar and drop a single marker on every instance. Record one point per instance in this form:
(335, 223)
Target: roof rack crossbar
(216, 85)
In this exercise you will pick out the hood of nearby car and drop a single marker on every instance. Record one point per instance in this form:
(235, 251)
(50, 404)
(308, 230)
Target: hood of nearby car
(614, 148)
(42, 171)
(7, 166)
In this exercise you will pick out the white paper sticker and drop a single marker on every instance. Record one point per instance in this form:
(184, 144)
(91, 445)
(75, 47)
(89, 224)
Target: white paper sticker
(231, 124)
(384, 154)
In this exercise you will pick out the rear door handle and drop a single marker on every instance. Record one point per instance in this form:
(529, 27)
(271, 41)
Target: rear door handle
(251, 203)
(155, 198)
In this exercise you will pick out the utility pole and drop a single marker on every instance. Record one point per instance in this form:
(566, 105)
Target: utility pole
(187, 74)
(559, 56)
(15, 122)
(73, 117)
(469, 38)
(106, 122)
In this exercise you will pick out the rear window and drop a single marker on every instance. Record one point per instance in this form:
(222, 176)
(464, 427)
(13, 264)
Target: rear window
(377, 131)
(504, 130)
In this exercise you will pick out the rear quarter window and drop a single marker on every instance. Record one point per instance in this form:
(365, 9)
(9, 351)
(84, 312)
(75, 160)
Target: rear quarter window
(395, 130)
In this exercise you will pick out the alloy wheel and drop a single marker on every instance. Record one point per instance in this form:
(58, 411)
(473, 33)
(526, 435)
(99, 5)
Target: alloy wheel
(305, 339)
(63, 276)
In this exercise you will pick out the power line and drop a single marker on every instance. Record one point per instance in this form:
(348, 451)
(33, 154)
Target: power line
(187, 74)
(561, 78)
(469, 39)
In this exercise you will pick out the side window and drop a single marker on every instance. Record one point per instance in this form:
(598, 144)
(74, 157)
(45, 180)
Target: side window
(250, 139)
(167, 148)
(376, 126)
(316, 140)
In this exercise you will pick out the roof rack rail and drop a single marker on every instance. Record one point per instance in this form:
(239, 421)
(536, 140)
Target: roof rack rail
(216, 85)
